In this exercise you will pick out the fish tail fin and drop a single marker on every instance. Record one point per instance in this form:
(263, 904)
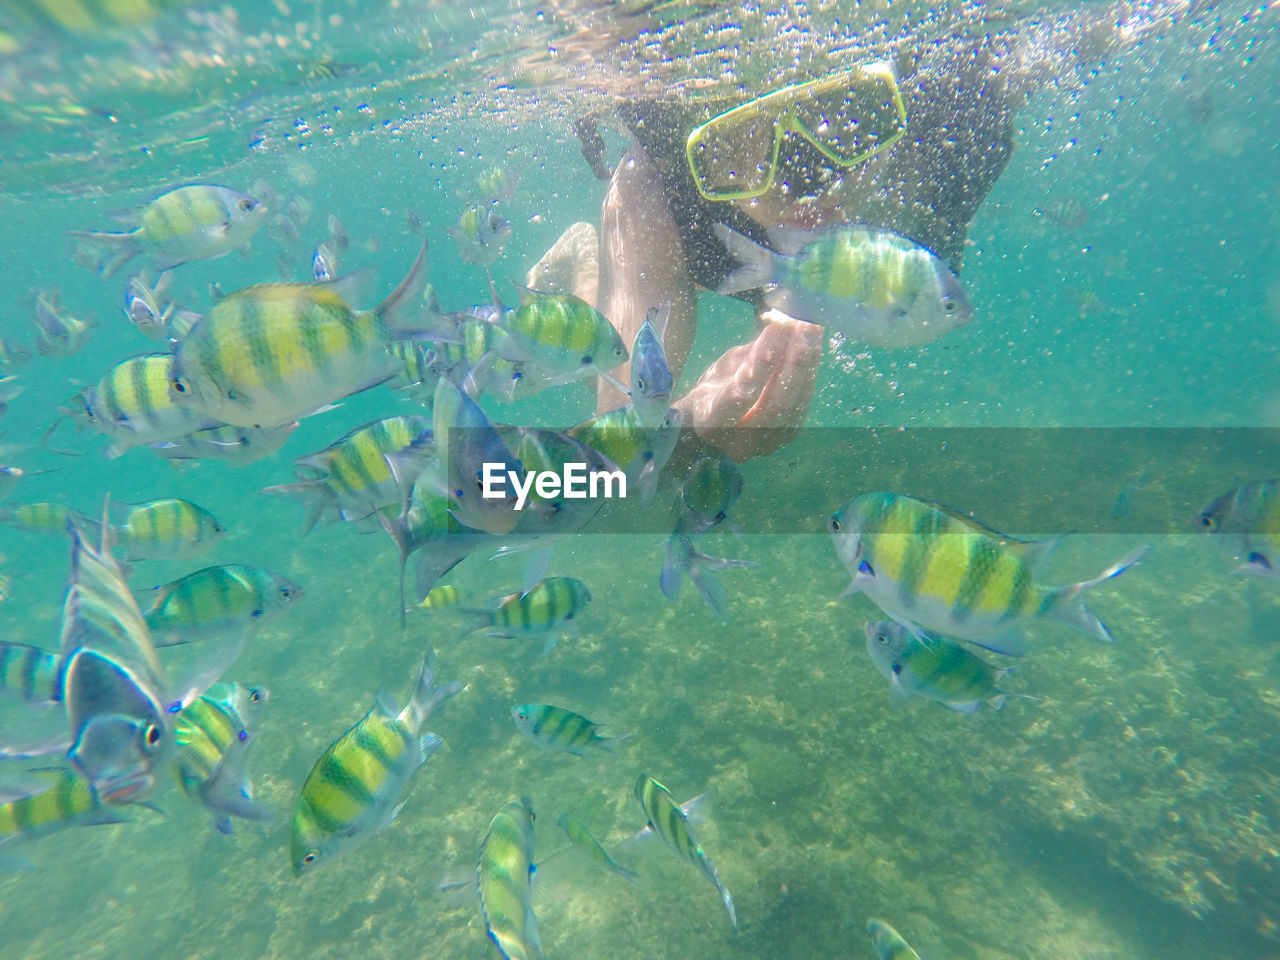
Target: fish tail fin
(611, 743)
(315, 497)
(406, 315)
(701, 569)
(427, 696)
(1068, 602)
(105, 252)
(756, 270)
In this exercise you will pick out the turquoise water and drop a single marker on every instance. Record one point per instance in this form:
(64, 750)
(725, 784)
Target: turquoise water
(1131, 813)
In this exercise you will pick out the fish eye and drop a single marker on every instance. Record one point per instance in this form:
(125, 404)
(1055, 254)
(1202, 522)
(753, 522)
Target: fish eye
(882, 638)
(619, 352)
(310, 856)
(255, 696)
(833, 525)
(151, 737)
(246, 204)
(256, 613)
(585, 361)
(217, 527)
(1206, 520)
(179, 386)
(522, 715)
(949, 304)
(285, 593)
(640, 384)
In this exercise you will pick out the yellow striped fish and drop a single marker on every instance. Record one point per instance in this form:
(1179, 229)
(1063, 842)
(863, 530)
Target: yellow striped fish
(888, 944)
(670, 822)
(481, 233)
(417, 369)
(373, 466)
(211, 737)
(272, 353)
(549, 608)
(933, 569)
(642, 452)
(504, 881)
(69, 801)
(353, 789)
(30, 674)
(44, 517)
(217, 599)
(164, 529)
(559, 729)
(872, 285)
(87, 16)
(442, 597)
(561, 334)
(195, 222)
(132, 404)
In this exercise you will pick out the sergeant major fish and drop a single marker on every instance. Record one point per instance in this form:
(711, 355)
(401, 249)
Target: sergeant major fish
(933, 668)
(874, 286)
(668, 821)
(229, 596)
(272, 353)
(373, 466)
(166, 528)
(68, 800)
(195, 222)
(556, 728)
(1245, 524)
(548, 609)
(354, 789)
(212, 735)
(933, 569)
(642, 452)
(481, 233)
(132, 405)
(561, 335)
(504, 882)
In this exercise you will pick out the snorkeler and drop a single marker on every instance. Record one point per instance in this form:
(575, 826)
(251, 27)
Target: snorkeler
(921, 174)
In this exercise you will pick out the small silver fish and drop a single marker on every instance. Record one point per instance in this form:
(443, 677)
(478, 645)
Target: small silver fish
(148, 308)
(58, 334)
(651, 380)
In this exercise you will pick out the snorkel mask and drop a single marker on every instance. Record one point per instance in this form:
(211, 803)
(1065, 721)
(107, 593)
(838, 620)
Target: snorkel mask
(847, 118)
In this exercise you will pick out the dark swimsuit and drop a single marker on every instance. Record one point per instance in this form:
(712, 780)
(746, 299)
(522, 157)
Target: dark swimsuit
(926, 187)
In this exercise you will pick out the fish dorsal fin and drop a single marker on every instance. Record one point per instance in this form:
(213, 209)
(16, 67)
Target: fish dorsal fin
(657, 318)
(1033, 553)
(385, 705)
(526, 295)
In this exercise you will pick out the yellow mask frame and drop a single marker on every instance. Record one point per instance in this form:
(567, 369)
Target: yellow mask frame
(847, 118)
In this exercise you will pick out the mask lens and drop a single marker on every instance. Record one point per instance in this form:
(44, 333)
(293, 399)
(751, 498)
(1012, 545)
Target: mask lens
(732, 155)
(848, 118)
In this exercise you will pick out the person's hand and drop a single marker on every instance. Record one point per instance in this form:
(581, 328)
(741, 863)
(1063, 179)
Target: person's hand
(754, 398)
